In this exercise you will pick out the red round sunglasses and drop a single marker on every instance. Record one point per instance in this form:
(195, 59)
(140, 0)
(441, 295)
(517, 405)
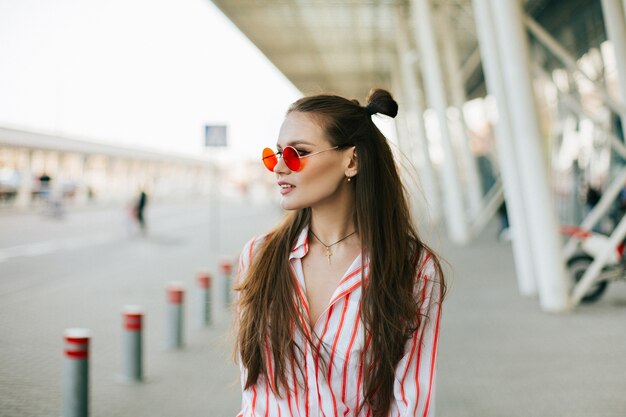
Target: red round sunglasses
(290, 155)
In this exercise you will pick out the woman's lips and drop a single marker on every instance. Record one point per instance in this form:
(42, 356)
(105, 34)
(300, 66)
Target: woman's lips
(285, 187)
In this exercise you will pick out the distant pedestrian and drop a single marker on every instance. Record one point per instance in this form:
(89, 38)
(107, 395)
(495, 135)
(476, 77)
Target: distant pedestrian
(340, 304)
(44, 186)
(139, 211)
(53, 199)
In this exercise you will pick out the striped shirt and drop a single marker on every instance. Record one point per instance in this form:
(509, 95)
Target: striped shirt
(337, 390)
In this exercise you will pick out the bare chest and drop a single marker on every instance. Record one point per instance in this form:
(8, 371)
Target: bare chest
(321, 280)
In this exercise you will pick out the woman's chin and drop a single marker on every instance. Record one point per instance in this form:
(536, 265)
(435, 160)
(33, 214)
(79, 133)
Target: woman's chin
(285, 205)
(288, 204)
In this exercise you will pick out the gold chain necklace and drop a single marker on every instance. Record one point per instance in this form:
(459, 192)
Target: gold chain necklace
(328, 252)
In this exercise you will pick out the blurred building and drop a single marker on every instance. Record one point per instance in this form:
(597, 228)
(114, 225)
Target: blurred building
(80, 171)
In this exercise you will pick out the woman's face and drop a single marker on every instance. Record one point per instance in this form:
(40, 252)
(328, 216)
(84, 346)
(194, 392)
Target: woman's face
(322, 178)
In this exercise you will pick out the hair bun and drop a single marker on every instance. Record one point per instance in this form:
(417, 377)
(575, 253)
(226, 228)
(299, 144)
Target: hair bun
(380, 101)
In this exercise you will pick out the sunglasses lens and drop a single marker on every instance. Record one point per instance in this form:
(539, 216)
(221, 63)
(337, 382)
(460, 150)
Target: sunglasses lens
(291, 158)
(269, 159)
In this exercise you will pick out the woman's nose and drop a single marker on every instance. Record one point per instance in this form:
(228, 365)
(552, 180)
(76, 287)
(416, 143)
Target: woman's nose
(280, 167)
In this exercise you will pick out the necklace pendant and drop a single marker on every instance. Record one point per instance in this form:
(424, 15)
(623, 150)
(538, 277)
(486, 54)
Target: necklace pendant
(329, 254)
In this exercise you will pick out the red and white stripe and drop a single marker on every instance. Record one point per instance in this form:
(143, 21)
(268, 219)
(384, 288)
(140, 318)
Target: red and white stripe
(337, 390)
(77, 343)
(132, 318)
(175, 293)
(204, 280)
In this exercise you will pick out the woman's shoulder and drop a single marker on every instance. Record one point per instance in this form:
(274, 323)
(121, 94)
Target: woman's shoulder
(427, 265)
(251, 247)
(428, 274)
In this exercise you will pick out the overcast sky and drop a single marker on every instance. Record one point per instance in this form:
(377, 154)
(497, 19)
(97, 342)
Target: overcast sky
(143, 73)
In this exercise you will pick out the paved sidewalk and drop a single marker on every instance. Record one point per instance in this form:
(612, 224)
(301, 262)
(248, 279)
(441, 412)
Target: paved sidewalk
(499, 354)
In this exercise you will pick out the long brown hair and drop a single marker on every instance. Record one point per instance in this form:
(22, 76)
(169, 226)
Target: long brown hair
(269, 310)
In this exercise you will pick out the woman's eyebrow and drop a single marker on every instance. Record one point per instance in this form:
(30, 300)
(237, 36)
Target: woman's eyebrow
(297, 142)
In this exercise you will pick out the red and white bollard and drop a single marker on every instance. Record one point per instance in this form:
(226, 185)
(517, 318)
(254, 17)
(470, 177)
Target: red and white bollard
(204, 299)
(132, 344)
(76, 373)
(175, 296)
(226, 269)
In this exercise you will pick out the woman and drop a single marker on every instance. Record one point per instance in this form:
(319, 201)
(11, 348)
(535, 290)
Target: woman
(339, 305)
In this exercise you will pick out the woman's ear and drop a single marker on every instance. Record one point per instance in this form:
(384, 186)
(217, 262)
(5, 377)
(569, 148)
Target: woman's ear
(352, 162)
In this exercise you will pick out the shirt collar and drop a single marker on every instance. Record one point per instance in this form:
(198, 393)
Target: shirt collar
(301, 247)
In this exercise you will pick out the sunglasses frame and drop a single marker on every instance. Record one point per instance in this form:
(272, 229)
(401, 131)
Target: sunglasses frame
(269, 153)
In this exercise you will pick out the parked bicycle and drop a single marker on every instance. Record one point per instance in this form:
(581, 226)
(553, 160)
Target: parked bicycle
(591, 245)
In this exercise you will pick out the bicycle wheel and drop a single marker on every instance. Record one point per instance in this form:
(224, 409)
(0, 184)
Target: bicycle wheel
(577, 265)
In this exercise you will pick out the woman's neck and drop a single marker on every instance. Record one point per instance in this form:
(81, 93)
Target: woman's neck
(331, 224)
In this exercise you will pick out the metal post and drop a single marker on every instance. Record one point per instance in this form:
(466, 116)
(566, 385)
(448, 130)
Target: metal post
(493, 200)
(204, 299)
(414, 122)
(506, 154)
(615, 22)
(470, 65)
(457, 90)
(410, 178)
(175, 295)
(433, 83)
(544, 231)
(226, 268)
(404, 142)
(132, 344)
(76, 373)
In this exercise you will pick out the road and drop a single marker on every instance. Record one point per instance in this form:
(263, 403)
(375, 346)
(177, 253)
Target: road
(80, 271)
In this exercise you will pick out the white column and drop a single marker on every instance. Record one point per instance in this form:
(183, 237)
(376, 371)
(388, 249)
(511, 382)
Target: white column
(433, 83)
(615, 22)
(418, 198)
(63, 173)
(82, 194)
(25, 190)
(457, 89)
(414, 119)
(506, 153)
(399, 94)
(544, 231)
